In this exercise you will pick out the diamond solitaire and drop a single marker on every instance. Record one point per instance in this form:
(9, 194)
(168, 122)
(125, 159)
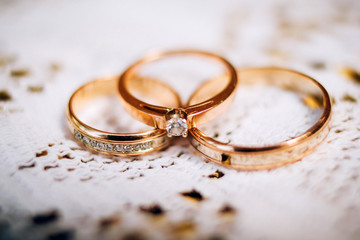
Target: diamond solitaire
(176, 124)
(211, 100)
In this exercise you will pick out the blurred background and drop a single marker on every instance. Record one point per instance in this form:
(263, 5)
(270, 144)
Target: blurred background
(53, 188)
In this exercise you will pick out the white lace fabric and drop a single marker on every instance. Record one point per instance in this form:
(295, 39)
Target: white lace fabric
(52, 186)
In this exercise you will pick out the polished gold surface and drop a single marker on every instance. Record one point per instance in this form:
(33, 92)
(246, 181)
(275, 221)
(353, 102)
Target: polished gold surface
(121, 144)
(313, 94)
(158, 115)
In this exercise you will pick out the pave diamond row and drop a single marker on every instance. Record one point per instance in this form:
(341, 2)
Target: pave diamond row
(113, 147)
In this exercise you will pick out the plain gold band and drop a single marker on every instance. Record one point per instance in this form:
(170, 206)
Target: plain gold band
(267, 157)
(120, 144)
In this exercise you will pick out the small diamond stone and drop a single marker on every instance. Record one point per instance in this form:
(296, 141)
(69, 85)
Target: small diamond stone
(109, 147)
(78, 135)
(93, 143)
(145, 145)
(118, 148)
(137, 147)
(176, 127)
(101, 146)
(128, 148)
(86, 140)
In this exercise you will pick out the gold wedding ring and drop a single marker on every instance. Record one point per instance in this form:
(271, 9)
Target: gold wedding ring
(267, 157)
(120, 144)
(177, 120)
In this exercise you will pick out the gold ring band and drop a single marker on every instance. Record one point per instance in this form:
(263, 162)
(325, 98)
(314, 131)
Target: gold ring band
(119, 144)
(267, 157)
(177, 120)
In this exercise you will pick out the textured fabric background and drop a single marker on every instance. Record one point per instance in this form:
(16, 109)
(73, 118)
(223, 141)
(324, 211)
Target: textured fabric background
(53, 188)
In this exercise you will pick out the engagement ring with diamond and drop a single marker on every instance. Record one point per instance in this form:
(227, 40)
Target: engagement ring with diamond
(177, 121)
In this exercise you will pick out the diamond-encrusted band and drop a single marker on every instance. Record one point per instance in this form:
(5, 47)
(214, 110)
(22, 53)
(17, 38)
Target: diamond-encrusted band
(120, 144)
(117, 148)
